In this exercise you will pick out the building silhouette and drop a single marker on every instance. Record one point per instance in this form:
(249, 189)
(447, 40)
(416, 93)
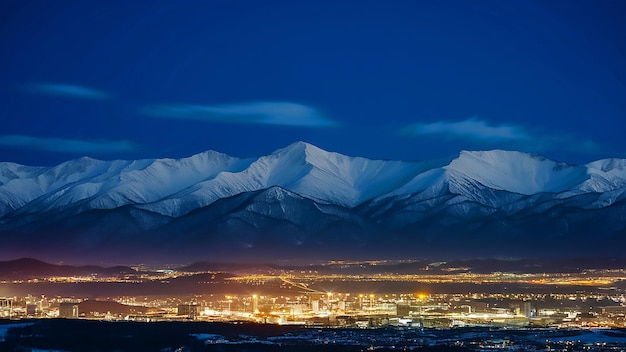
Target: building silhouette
(68, 310)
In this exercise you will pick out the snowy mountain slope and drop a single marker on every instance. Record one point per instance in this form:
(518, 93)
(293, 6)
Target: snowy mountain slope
(302, 195)
(496, 178)
(11, 171)
(515, 172)
(272, 215)
(36, 182)
(309, 171)
(175, 187)
(94, 184)
(605, 175)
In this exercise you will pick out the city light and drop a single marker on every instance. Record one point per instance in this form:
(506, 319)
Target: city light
(290, 298)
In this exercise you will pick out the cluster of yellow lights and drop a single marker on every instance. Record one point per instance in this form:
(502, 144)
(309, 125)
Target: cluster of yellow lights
(535, 279)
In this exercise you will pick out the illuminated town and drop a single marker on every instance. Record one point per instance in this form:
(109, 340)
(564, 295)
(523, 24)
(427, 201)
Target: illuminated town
(334, 297)
(590, 298)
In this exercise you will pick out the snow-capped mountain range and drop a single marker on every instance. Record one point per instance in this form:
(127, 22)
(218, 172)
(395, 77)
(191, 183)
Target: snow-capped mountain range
(302, 196)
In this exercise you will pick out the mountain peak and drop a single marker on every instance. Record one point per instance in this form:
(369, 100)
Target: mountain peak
(302, 153)
(301, 144)
(300, 147)
(517, 172)
(608, 164)
(499, 155)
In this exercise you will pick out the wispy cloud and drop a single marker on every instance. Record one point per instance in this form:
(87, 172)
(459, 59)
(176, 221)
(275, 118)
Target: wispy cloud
(471, 128)
(261, 112)
(66, 90)
(64, 145)
(479, 133)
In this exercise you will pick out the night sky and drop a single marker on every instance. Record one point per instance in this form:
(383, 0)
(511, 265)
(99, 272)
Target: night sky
(380, 79)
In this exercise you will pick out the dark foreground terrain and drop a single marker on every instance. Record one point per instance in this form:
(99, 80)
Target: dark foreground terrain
(89, 335)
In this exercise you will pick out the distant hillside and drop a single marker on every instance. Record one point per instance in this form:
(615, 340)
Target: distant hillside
(421, 266)
(26, 268)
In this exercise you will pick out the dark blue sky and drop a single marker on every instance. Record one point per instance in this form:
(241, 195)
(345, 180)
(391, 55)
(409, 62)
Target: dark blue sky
(380, 79)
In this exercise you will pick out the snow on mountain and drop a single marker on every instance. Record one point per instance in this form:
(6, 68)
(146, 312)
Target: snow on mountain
(36, 182)
(515, 172)
(303, 196)
(605, 175)
(10, 171)
(164, 178)
(255, 212)
(336, 178)
(301, 168)
(176, 187)
(94, 184)
(496, 178)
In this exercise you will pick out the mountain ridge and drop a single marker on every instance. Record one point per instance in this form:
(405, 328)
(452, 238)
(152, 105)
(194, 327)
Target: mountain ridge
(302, 197)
